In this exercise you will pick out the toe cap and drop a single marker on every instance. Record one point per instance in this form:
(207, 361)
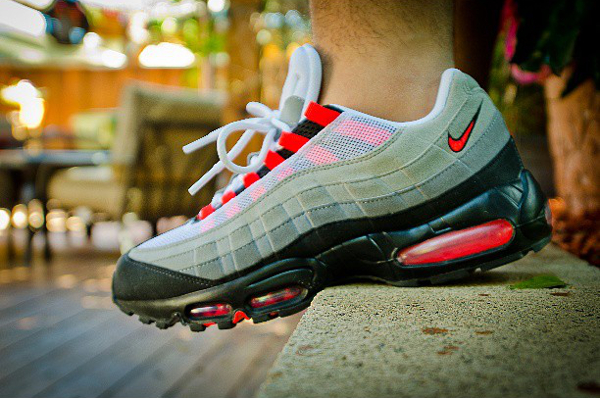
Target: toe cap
(135, 280)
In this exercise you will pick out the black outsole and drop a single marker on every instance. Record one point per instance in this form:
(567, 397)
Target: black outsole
(370, 257)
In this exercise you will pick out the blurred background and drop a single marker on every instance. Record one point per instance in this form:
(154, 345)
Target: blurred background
(97, 97)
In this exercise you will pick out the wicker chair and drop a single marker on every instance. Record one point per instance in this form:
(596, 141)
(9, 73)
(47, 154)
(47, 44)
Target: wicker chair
(149, 174)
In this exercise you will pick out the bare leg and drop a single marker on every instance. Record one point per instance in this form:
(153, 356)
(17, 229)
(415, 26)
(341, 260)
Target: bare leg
(383, 57)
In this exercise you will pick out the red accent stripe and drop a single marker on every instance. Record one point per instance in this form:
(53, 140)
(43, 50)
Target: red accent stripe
(292, 142)
(227, 196)
(239, 316)
(273, 160)
(250, 179)
(206, 211)
(319, 114)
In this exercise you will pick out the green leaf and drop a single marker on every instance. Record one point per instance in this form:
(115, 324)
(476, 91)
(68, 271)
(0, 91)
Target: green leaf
(559, 33)
(540, 282)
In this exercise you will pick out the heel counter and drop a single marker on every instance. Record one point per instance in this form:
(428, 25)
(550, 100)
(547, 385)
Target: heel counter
(499, 129)
(504, 168)
(492, 121)
(473, 104)
(480, 96)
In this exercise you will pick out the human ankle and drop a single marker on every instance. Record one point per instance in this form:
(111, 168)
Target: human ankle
(399, 90)
(383, 57)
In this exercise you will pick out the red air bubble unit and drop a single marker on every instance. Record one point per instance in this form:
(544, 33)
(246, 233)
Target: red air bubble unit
(458, 244)
(210, 311)
(277, 297)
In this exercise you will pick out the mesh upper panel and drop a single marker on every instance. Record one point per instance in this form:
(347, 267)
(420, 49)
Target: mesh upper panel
(349, 136)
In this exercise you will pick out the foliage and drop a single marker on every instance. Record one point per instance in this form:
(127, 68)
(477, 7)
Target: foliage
(559, 33)
(521, 105)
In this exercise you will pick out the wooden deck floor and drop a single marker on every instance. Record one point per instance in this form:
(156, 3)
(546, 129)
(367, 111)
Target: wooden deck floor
(61, 336)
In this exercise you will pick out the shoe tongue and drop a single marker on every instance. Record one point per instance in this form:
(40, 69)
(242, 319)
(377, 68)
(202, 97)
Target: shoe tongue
(302, 84)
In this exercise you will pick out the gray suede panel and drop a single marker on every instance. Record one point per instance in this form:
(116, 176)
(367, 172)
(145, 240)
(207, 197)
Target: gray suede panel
(413, 166)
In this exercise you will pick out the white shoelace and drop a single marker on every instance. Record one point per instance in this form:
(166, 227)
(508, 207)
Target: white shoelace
(266, 122)
(303, 81)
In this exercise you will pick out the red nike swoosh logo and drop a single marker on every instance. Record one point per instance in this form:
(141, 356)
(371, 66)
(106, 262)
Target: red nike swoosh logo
(457, 145)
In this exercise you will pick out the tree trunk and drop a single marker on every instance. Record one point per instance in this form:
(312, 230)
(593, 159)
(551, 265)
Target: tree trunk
(574, 139)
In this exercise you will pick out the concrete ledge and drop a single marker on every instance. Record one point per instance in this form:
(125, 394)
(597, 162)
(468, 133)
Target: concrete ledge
(478, 338)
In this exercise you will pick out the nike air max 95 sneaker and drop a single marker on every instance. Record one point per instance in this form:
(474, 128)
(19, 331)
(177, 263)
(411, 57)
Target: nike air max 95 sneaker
(337, 195)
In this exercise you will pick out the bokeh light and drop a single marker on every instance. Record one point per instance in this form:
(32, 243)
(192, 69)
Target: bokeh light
(4, 219)
(19, 216)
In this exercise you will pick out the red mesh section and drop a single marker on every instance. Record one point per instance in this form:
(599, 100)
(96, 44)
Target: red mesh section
(370, 134)
(284, 172)
(458, 244)
(232, 210)
(320, 155)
